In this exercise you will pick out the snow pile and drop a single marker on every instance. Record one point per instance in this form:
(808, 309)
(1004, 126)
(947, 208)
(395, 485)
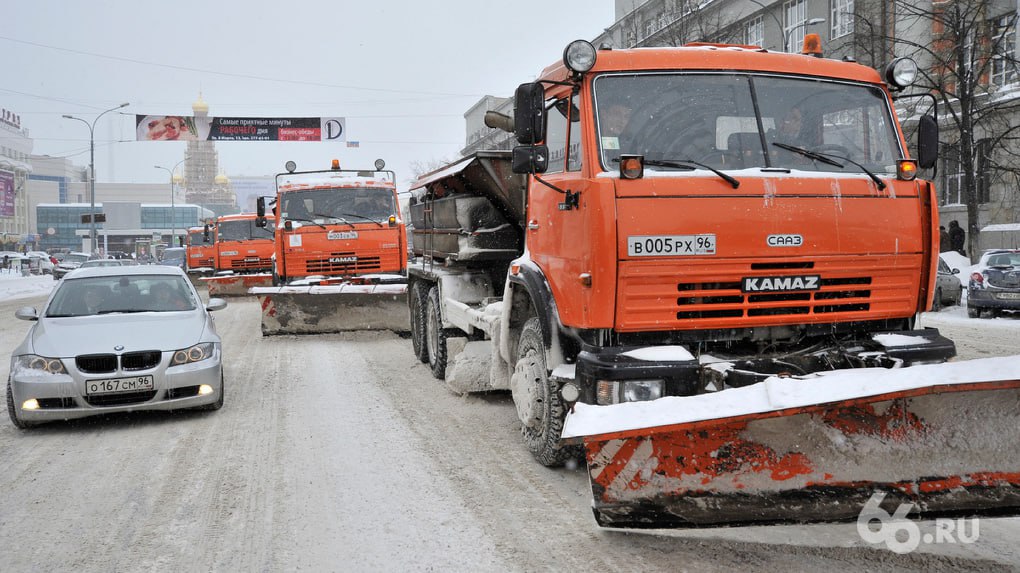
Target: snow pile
(13, 286)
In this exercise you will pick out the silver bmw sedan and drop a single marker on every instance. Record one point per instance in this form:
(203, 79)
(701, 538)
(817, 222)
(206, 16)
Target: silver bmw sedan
(116, 339)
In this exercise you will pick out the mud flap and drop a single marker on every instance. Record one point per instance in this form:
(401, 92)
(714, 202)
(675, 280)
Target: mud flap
(323, 309)
(235, 285)
(801, 450)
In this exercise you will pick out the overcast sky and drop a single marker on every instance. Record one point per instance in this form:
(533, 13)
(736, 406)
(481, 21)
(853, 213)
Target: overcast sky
(401, 72)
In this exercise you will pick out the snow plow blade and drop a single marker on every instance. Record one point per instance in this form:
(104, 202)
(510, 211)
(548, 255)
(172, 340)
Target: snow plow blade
(235, 285)
(944, 438)
(336, 308)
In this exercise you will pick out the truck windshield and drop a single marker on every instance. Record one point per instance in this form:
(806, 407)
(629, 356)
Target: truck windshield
(346, 204)
(196, 238)
(711, 119)
(242, 230)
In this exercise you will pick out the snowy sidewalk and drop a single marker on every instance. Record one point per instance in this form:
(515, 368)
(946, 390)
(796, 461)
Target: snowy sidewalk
(13, 286)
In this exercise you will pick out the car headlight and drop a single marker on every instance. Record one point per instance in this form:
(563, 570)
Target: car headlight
(196, 353)
(615, 392)
(38, 364)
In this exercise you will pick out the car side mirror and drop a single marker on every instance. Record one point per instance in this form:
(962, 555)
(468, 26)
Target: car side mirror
(26, 313)
(216, 304)
(956, 271)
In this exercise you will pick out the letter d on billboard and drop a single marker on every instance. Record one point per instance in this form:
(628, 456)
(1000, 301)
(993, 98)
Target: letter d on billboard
(334, 129)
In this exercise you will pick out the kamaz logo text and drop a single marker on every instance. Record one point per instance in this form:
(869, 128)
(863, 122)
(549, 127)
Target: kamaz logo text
(774, 284)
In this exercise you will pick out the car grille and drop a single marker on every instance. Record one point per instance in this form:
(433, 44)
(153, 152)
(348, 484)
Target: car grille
(96, 363)
(100, 363)
(121, 399)
(140, 360)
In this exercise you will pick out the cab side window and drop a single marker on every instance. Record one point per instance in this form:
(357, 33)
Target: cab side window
(556, 136)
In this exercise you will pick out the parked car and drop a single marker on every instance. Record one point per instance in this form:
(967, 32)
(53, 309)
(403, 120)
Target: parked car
(116, 339)
(70, 262)
(948, 288)
(995, 283)
(92, 263)
(46, 264)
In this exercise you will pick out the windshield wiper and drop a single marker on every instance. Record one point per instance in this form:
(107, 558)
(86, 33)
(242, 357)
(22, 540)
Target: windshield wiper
(337, 217)
(307, 221)
(122, 311)
(689, 165)
(825, 158)
(362, 217)
(813, 155)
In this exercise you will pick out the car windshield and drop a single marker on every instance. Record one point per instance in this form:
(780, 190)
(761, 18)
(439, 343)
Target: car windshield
(101, 263)
(243, 230)
(75, 258)
(741, 121)
(120, 294)
(355, 205)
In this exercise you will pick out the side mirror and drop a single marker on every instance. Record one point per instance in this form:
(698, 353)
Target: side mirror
(530, 159)
(529, 113)
(956, 271)
(205, 233)
(26, 313)
(927, 142)
(260, 207)
(216, 304)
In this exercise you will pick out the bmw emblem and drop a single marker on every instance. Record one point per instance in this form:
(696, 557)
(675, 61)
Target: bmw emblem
(118, 348)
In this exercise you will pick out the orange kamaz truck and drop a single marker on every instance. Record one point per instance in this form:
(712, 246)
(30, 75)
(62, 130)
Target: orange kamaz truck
(340, 256)
(243, 253)
(702, 268)
(201, 251)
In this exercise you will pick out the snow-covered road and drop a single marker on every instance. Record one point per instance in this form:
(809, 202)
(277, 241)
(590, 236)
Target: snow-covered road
(341, 452)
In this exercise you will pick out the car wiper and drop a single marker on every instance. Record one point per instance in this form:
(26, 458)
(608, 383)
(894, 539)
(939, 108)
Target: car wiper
(689, 165)
(122, 311)
(814, 155)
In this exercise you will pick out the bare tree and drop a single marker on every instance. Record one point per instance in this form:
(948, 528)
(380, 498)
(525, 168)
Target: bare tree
(970, 56)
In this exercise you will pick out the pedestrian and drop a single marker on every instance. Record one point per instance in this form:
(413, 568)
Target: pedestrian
(957, 236)
(944, 241)
(7, 262)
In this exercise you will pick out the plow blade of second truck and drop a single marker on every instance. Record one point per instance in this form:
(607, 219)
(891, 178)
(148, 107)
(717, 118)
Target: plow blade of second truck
(235, 285)
(943, 438)
(334, 308)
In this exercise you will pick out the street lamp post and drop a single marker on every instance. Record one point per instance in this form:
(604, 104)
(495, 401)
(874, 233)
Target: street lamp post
(804, 24)
(173, 208)
(92, 172)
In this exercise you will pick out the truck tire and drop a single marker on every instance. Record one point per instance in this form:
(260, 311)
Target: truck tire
(546, 411)
(435, 339)
(417, 301)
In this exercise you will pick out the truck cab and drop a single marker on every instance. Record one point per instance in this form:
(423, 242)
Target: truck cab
(201, 250)
(243, 245)
(337, 224)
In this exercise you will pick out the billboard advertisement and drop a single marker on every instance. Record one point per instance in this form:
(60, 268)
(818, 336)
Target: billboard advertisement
(190, 128)
(6, 193)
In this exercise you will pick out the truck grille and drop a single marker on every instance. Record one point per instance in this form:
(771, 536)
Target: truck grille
(344, 263)
(708, 295)
(724, 300)
(259, 263)
(206, 262)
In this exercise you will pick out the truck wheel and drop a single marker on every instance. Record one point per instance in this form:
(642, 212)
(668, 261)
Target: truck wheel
(538, 400)
(936, 303)
(435, 339)
(417, 301)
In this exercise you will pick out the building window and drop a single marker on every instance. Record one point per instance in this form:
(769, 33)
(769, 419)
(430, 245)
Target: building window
(754, 32)
(1004, 68)
(796, 18)
(953, 192)
(842, 18)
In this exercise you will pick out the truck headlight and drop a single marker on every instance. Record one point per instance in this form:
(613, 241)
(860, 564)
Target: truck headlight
(618, 391)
